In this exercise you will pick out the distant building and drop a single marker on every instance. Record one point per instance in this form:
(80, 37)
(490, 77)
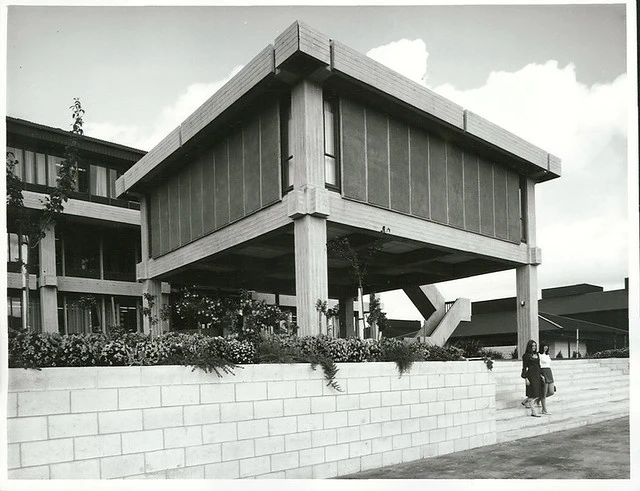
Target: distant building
(82, 276)
(583, 313)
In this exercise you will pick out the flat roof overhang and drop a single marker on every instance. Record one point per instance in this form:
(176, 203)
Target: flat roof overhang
(302, 52)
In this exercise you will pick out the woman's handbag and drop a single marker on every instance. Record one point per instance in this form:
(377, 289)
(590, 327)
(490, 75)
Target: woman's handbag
(523, 374)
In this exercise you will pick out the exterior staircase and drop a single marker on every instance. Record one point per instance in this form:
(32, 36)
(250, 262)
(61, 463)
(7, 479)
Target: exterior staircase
(441, 318)
(588, 391)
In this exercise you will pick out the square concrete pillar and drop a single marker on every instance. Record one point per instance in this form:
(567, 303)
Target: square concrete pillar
(47, 281)
(527, 275)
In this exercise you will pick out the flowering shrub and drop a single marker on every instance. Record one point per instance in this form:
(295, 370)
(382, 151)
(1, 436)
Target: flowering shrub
(217, 354)
(612, 353)
(33, 350)
(243, 316)
(80, 351)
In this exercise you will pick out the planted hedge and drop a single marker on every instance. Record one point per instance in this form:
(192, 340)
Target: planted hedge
(40, 350)
(612, 353)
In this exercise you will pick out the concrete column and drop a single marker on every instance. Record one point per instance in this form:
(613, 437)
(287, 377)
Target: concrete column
(311, 273)
(345, 313)
(48, 281)
(527, 275)
(308, 205)
(149, 324)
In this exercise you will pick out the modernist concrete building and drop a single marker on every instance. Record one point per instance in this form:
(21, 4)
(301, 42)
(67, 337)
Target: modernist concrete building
(312, 141)
(91, 253)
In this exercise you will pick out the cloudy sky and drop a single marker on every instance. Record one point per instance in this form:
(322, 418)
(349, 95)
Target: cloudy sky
(555, 75)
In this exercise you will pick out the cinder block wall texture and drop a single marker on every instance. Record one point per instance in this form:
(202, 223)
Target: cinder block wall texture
(276, 421)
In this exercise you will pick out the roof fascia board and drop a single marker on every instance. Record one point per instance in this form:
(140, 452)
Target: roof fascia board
(368, 71)
(301, 38)
(21, 128)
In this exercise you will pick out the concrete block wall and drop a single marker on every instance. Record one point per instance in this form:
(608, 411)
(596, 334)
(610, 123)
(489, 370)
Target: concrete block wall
(267, 421)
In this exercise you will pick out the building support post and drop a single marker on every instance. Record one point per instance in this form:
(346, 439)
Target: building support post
(308, 205)
(311, 273)
(155, 290)
(527, 275)
(48, 281)
(345, 314)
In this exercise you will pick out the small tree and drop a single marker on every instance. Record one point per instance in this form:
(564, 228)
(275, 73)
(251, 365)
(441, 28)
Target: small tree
(32, 224)
(359, 262)
(377, 317)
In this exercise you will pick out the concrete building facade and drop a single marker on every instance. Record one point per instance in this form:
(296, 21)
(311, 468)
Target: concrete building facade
(312, 141)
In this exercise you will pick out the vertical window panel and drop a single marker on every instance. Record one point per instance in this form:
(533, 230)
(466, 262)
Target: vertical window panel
(29, 167)
(41, 169)
(113, 176)
(54, 164)
(98, 180)
(330, 171)
(329, 129)
(82, 179)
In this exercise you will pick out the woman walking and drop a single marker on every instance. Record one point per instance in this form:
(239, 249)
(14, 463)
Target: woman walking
(531, 374)
(548, 387)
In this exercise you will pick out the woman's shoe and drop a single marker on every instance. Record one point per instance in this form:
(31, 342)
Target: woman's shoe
(524, 403)
(546, 412)
(535, 415)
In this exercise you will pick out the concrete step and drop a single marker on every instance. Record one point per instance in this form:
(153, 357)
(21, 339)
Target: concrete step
(565, 386)
(508, 385)
(531, 427)
(514, 419)
(561, 398)
(515, 378)
(567, 405)
(573, 366)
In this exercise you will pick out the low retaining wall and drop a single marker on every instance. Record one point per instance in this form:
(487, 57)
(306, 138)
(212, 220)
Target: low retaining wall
(278, 421)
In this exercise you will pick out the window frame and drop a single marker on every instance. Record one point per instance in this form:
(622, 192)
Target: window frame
(333, 100)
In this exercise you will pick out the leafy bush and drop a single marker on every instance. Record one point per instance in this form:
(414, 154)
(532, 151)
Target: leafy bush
(401, 352)
(612, 353)
(493, 354)
(80, 350)
(214, 354)
(33, 350)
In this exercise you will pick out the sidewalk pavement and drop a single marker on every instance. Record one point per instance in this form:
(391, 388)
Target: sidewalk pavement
(598, 451)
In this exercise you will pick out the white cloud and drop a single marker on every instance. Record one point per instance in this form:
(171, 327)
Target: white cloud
(169, 118)
(581, 217)
(404, 56)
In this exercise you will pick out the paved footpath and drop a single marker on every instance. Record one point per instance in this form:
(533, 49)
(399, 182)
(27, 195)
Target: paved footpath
(598, 451)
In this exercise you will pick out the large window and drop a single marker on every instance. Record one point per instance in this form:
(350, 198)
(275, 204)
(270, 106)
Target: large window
(82, 252)
(97, 313)
(331, 172)
(43, 169)
(120, 254)
(286, 129)
(14, 310)
(18, 252)
(90, 252)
